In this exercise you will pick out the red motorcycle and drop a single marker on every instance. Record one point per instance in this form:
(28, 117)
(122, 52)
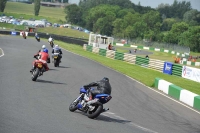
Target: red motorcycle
(38, 70)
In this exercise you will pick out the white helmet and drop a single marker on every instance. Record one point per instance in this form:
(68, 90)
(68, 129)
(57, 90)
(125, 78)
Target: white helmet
(56, 46)
(43, 46)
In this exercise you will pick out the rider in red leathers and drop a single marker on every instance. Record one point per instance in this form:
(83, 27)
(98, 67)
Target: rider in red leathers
(43, 57)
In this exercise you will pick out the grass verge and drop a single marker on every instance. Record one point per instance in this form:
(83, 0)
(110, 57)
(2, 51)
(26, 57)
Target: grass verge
(17, 9)
(143, 75)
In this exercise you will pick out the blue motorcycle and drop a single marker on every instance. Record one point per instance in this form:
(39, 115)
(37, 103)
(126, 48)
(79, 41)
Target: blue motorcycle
(94, 107)
(37, 38)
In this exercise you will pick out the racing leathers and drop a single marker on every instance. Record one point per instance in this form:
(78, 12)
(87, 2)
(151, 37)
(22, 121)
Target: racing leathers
(57, 50)
(42, 57)
(101, 86)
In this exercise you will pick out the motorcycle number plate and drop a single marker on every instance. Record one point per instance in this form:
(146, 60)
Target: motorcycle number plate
(39, 65)
(55, 57)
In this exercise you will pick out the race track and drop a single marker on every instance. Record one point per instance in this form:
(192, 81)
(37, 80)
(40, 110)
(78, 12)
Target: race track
(42, 106)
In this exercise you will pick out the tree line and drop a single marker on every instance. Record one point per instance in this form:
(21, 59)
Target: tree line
(177, 23)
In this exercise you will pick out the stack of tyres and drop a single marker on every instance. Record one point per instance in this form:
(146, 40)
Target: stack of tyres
(102, 52)
(119, 56)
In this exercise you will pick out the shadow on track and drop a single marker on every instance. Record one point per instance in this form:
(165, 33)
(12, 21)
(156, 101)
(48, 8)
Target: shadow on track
(109, 119)
(53, 69)
(63, 67)
(46, 81)
(105, 118)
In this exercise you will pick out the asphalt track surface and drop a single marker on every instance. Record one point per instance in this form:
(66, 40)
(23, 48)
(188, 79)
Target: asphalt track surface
(42, 106)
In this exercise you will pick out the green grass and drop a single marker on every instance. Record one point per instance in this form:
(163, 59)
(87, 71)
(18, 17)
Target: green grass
(55, 15)
(64, 32)
(11, 26)
(134, 71)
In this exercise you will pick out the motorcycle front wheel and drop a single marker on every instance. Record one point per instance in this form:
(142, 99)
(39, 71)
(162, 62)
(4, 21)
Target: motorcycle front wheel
(73, 105)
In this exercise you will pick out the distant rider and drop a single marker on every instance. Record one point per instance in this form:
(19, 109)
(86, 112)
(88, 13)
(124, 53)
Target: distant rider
(23, 33)
(57, 49)
(102, 87)
(36, 35)
(51, 40)
(43, 47)
(43, 57)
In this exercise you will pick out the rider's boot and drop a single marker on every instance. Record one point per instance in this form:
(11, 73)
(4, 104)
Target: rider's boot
(32, 69)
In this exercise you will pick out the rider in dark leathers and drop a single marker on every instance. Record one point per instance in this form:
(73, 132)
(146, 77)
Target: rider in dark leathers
(102, 86)
(56, 49)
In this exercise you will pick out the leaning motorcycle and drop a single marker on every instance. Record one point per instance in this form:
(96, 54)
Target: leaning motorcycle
(94, 107)
(37, 38)
(38, 70)
(56, 59)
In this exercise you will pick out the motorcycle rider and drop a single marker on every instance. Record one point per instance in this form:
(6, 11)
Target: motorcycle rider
(43, 47)
(36, 35)
(57, 49)
(102, 86)
(51, 40)
(23, 33)
(43, 57)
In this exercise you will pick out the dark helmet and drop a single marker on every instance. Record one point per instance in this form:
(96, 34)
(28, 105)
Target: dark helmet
(105, 79)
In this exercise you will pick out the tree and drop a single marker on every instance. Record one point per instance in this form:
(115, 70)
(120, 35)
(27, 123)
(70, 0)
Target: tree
(100, 18)
(37, 7)
(174, 34)
(192, 17)
(191, 38)
(74, 14)
(118, 29)
(2, 5)
(167, 24)
(176, 10)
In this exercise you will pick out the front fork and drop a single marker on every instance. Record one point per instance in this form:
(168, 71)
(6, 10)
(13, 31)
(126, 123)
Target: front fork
(79, 97)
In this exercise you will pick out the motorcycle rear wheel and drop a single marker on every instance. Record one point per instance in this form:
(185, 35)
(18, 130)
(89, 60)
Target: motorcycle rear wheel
(96, 111)
(56, 63)
(35, 74)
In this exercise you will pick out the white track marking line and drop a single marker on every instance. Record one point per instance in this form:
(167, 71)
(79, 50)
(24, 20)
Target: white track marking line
(131, 123)
(143, 85)
(2, 52)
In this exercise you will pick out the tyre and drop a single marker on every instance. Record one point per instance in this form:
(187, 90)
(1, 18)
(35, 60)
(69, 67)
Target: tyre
(58, 62)
(96, 111)
(35, 74)
(73, 106)
(55, 63)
